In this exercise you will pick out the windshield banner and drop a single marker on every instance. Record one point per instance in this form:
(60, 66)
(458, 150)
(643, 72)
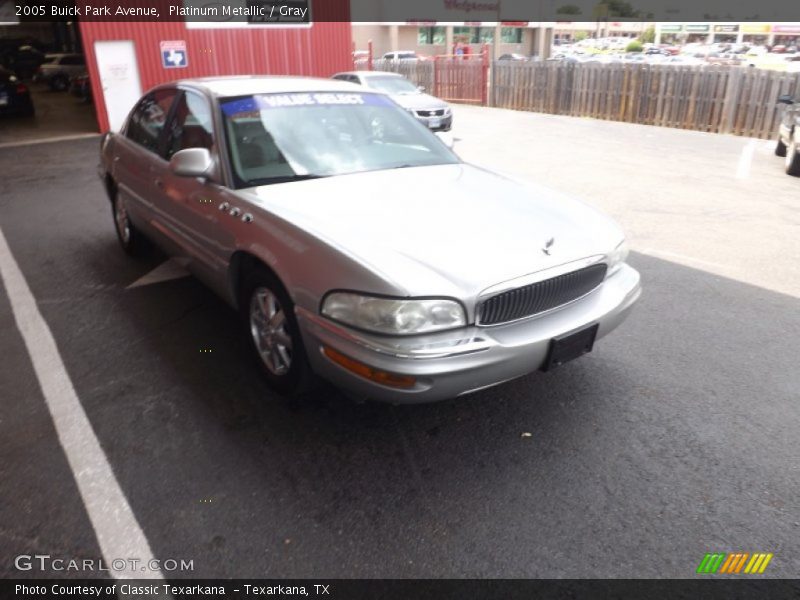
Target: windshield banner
(267, 101)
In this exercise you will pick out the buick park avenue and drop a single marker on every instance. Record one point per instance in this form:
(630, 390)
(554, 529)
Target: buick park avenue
(354, 242)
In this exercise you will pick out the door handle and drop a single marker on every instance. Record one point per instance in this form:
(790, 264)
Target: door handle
(159, 183)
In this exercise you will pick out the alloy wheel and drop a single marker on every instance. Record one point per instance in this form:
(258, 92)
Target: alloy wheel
(268, 327)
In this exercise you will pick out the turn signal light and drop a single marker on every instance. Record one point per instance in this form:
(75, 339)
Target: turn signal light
(367, 372)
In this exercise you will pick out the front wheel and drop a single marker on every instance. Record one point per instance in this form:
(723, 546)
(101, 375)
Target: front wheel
(59, 83)
(780, 148)
(793, 158)
(273, 334)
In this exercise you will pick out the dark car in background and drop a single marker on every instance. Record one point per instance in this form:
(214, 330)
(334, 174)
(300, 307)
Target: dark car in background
(57, 69)
(788, 144)
(23, 61)
(79, 86)
(15, 97)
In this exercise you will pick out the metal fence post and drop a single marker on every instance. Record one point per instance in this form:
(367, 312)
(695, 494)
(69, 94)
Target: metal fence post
(369, 57)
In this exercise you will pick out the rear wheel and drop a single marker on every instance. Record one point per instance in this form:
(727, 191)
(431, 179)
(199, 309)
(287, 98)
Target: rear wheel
(273, 334)
(793, 158)
(131, 240)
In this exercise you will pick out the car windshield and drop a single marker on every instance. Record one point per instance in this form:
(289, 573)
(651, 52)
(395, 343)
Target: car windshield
(391, 85)
(274, 138)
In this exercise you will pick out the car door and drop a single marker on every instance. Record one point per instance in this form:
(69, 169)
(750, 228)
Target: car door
(193, 204)
(139, 168)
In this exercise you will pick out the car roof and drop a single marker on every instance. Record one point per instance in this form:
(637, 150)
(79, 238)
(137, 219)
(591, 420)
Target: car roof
(242, 85)
(368, 74)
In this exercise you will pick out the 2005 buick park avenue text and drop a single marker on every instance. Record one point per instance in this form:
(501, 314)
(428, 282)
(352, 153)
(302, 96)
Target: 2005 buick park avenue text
(174, 11)
(112, 10)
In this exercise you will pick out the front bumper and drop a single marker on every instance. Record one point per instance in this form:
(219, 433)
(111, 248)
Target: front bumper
(443, 123)
(465, 360)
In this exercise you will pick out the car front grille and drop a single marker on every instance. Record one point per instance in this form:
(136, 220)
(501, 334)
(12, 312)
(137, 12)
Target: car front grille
(431, 113)
(541, 296)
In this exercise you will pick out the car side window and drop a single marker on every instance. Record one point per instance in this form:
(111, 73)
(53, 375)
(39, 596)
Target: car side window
(149, 117)
(191, 125)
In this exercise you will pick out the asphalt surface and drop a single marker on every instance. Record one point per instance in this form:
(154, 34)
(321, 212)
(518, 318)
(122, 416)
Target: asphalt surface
(57, 114)
(675, 437)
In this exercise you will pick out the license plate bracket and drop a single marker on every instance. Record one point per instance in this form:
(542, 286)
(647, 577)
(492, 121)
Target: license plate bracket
(570, 346)
(434, 123)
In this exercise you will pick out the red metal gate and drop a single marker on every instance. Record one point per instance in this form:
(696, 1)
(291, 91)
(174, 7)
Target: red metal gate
(462, 77)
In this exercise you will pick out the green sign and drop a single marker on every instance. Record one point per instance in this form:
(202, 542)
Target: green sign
(697, 28)
(671, 28)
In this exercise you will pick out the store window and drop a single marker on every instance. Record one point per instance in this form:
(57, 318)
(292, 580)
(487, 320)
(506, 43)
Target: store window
(431, 36)
(473, 35)
(511, 35)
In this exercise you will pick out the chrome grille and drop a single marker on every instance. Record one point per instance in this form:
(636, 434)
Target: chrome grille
(431, 113)
(538, 297)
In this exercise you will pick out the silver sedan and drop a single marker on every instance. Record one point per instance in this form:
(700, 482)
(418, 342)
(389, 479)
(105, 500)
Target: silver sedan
(355, 243)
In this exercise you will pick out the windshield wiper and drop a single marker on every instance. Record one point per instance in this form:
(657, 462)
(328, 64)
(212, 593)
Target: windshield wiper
(286, 179)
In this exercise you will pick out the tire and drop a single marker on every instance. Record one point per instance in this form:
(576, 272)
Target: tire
(780, 147)
(130, 238)
(272, 333)
(59, 83)
(793, 158)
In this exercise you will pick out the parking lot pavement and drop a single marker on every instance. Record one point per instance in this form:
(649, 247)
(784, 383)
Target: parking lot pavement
(58, 114)
(718, 203)
(677, 436)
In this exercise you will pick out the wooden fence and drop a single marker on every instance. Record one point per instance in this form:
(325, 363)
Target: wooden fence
(718, 99)
(455, 79)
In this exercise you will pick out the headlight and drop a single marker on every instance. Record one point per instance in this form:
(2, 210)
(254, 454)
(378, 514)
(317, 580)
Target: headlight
(447, 111)
(393, 315)
(617, 257)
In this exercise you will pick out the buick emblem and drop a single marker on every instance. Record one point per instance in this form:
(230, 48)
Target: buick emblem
(547, 245)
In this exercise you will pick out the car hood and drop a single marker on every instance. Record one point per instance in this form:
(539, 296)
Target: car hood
(441, 230)
(418, 101)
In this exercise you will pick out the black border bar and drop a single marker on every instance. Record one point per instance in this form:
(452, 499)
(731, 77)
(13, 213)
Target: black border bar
(409, 11)
(734, 588)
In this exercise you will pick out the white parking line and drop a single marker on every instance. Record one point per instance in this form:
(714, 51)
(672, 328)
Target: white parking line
(61, 138)
(118, 533)
(745, 160)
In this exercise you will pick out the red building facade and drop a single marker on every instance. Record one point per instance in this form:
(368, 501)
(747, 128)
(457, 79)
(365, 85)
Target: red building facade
(319, 49)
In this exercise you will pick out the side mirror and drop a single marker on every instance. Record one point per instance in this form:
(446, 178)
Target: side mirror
(447, 138)
(192, 162)
(785, 99)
